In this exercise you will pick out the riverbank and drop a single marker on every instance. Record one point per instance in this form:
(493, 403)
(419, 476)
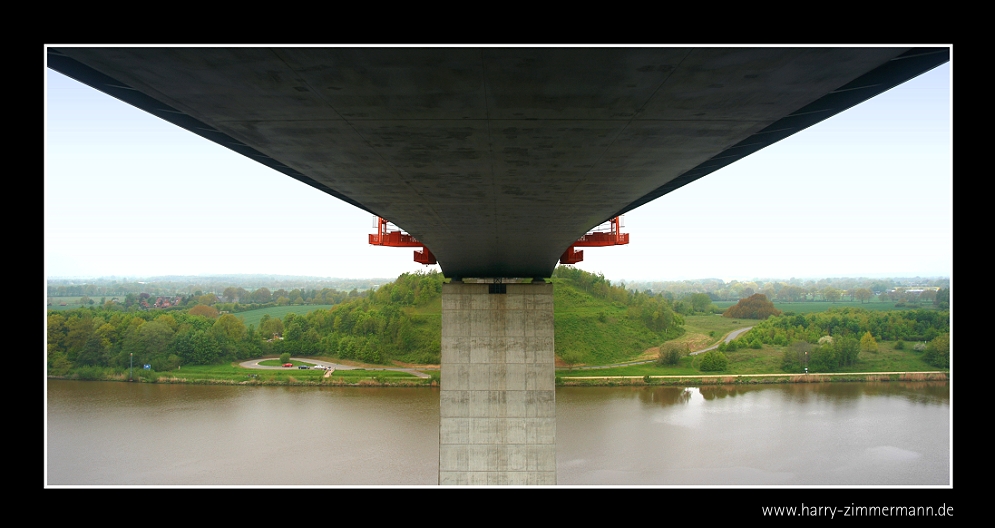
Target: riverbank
(747, 379)
(331, 382)
(235, 374)
(563, 381)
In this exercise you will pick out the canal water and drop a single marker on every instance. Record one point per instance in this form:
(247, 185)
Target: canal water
(880, 433)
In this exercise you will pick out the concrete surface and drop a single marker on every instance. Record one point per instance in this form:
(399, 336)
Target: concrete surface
(497, 158)
(497, 398)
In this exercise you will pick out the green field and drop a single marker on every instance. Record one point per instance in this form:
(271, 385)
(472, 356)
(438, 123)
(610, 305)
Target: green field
(252, 317)
(71, 302)
(277, 363)
(767, 360)
(805, 307)
(237, 374)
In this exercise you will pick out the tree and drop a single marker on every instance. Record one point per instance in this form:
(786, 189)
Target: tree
(791, 293)
(204, 311)
(231, 327)
(230, 294)
(938, 351)
(285, 357)
(868, 344)
(831, 294)
(700, 302)
(796, 356)
(268, 327)
(713, 361)
(756, 306)
(863, 294)
(942, 299)
(262, 295)
(848, 350)
(207, 298)
(93, 352)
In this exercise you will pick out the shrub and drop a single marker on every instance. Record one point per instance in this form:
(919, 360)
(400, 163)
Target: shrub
(938, 351)
(900, 345)
(90, 373)
(285, 357)
(713, 361)
(671, 353)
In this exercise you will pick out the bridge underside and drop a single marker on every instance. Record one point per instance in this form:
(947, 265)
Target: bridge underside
(496, 158)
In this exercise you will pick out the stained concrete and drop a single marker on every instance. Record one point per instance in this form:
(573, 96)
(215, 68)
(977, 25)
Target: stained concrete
(498, 399)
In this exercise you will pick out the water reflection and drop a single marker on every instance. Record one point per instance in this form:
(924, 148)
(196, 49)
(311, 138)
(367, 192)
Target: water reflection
(664, 396)
(833, 433)
(793, 434)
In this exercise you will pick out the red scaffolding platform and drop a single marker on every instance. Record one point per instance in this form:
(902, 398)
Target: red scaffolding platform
(397, 238)
(612, 237)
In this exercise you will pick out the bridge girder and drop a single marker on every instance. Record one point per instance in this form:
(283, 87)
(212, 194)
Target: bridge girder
(497, 159)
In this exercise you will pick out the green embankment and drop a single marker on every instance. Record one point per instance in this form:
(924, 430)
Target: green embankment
(596, 331)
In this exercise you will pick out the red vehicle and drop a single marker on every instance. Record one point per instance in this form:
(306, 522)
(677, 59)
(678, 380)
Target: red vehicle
(288, 364)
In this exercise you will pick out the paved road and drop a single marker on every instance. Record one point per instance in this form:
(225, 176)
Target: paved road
(732, 335)
(254, 364)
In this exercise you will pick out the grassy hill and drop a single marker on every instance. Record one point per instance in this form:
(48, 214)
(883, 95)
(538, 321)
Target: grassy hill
(594, 322)
(594, 331)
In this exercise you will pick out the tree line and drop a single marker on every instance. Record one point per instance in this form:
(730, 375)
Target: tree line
(914, 290)
(835, 338)
(398, 321)
(374, 327)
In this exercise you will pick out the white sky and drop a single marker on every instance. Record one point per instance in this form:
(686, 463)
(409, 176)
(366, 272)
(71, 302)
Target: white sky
(865, 193)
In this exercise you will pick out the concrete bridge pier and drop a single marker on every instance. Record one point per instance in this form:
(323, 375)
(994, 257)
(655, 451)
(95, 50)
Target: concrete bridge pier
(498, 406)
